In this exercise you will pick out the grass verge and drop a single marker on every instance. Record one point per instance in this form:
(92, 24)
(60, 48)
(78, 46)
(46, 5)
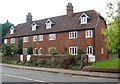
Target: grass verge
(110, 63)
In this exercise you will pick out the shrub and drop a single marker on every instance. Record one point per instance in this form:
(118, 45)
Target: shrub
(29, 50)
(53, 51)
(9, 50)
(20, 46)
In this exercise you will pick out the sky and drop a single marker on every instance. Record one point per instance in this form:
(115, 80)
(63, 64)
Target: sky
(16, 10)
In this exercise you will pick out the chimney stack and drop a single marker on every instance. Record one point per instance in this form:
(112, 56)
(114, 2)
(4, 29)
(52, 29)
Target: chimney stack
(29, 18)
(69, 10)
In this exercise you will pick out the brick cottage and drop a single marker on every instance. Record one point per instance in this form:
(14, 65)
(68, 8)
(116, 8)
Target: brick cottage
(70, 32)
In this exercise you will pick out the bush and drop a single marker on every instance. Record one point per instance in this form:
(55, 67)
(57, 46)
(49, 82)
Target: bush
(53, 51)
(9, 50)
(30, 50)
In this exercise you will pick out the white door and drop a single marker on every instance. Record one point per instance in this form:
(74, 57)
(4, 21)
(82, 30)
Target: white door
(91, 57)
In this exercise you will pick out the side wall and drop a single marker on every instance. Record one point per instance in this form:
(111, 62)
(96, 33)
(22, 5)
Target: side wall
(100, 41)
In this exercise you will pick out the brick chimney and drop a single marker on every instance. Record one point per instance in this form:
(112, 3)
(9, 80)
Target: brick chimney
(69, 10)
(29, 18)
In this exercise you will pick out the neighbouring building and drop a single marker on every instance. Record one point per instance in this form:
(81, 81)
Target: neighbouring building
(70, 32)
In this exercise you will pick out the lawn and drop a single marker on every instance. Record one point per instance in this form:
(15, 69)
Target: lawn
(110, 63)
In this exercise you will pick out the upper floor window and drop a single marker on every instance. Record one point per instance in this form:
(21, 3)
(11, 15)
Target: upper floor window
(25, 39)
(72, 35)
(12, 40)
(49, 24)
(34, 26)
(40, 37)
(52, 36)
(73, 50)
(84, 18)
(12, 30)
(89, 33)
(5, 41)
(35, 38)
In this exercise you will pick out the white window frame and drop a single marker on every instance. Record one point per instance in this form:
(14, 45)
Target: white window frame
(12, 30)
(89, 33)
(40, 51)
(40, 37)
(84, 20)
(35, 51)
(89, 50)
(25, 39)
(12, 40)
(73, 50)
(102, 50)
(35, 37)
(73, 35)
(34, 26)
(52, 36)
(49, 24)
(5, 41)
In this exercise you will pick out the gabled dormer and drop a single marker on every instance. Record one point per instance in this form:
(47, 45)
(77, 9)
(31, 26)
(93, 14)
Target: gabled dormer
(34, 26)
(49, 24)
(84, 18)
(12, 29)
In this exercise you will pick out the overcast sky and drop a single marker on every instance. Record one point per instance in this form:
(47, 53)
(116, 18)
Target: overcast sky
(16, 10)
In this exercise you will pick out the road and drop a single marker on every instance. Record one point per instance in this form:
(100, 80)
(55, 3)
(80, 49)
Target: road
(23, 75)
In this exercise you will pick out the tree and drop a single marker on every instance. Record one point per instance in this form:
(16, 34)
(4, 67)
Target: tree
(5, 27)
(20, 46)
(112, 32)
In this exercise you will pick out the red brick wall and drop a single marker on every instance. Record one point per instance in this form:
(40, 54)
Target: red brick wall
(100, 41)
(62, 41)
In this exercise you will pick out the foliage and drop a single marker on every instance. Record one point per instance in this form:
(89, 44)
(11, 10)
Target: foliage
(5, 27)
(111, 63)
(65, 51)
(53, 51)
(9, 50)
(20, 46)
(29, 50)
(80, 52)
(112, 32)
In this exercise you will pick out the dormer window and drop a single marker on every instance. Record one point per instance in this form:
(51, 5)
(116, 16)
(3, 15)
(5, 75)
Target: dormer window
(12, 30)
(34, 26)
(49, 24)
(84, 18)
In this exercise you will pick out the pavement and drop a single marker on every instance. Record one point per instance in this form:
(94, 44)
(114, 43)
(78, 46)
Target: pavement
(67, 71)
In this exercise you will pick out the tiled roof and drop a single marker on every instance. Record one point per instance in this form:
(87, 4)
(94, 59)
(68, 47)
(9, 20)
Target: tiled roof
(61, 24)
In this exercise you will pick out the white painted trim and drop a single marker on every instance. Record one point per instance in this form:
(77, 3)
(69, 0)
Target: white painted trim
(89, 33)
(73, 37)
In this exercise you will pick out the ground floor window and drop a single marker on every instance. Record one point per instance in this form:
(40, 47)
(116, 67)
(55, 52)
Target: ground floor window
(73, 50)
(102, 50)
(24, 51)
(40, 51)
(35, 51)
(89, 50)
